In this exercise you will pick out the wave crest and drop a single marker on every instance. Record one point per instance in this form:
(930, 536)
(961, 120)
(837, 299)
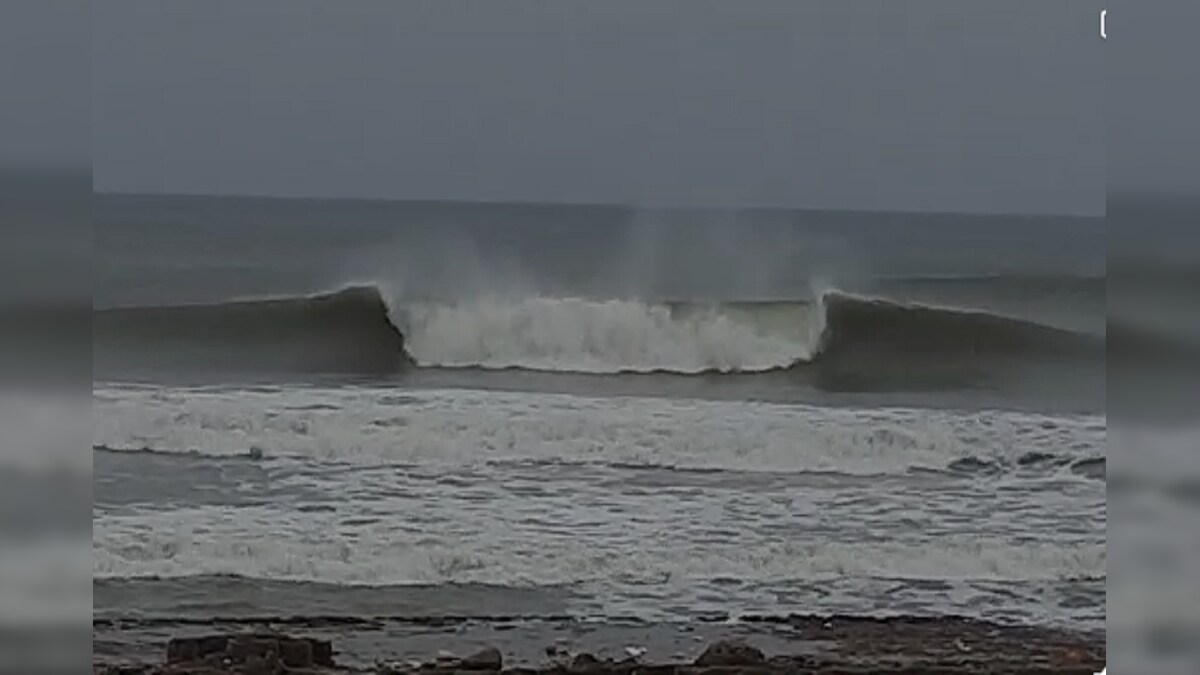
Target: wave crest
(355, 330)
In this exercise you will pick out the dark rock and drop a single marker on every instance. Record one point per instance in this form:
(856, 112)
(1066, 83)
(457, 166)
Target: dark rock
(585, 663)
(322, 652)
(731, 653)
(296, 653)
(260, 652)
(214, 644)
(1034, 457)
(217, 660)
(488, 658)
(183, 650)
(247, 647)
(263, 665)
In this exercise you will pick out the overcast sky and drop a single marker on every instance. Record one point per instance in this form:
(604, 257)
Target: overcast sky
(912, 105)
(44, 82)
(1153, 99)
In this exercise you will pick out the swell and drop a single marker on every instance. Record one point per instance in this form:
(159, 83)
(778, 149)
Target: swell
(857, 325)
(347, 331)
(356, 331)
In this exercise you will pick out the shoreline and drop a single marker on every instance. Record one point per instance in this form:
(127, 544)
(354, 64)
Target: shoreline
(792, 644)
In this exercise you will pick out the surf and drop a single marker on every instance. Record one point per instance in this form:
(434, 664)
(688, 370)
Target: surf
(609, 336)
(360, 330)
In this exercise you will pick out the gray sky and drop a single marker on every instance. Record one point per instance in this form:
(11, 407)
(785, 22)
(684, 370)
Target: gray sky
(913, 105)
(1153, 99)
(44, 82)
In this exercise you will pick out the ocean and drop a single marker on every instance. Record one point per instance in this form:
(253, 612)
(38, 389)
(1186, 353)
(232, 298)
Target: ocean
(611, 416)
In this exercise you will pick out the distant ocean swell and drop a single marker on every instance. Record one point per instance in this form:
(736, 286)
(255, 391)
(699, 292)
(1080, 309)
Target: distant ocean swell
(357, 331)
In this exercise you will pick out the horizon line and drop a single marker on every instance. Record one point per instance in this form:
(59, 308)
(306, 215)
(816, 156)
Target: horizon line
(596, 204)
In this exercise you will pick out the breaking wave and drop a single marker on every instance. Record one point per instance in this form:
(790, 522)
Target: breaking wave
(355, 330)
(610, 336)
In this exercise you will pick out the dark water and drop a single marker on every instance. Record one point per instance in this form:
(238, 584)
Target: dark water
(371, 409)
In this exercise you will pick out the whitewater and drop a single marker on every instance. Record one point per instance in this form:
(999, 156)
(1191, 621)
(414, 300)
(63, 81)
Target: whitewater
(608, 336)
(649, 507)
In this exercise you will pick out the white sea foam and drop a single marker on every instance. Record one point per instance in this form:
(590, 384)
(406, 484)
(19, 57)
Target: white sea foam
(464, 428)
(478, 547)
(571, 334)
(380, 486)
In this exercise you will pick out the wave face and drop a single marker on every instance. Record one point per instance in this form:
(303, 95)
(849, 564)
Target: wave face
(343, 332)
(356, 331)
(855, 325)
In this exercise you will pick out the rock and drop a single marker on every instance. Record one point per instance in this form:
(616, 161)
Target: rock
(263, 665)
(731, 653)
(488, 658)
(247, 647)
(217, 661)
(258, 652)
(184, 650)
(585, 662)
(322, 652)
(296, 653)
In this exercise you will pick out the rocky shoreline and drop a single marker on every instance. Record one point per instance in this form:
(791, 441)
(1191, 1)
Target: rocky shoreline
(823, 645)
